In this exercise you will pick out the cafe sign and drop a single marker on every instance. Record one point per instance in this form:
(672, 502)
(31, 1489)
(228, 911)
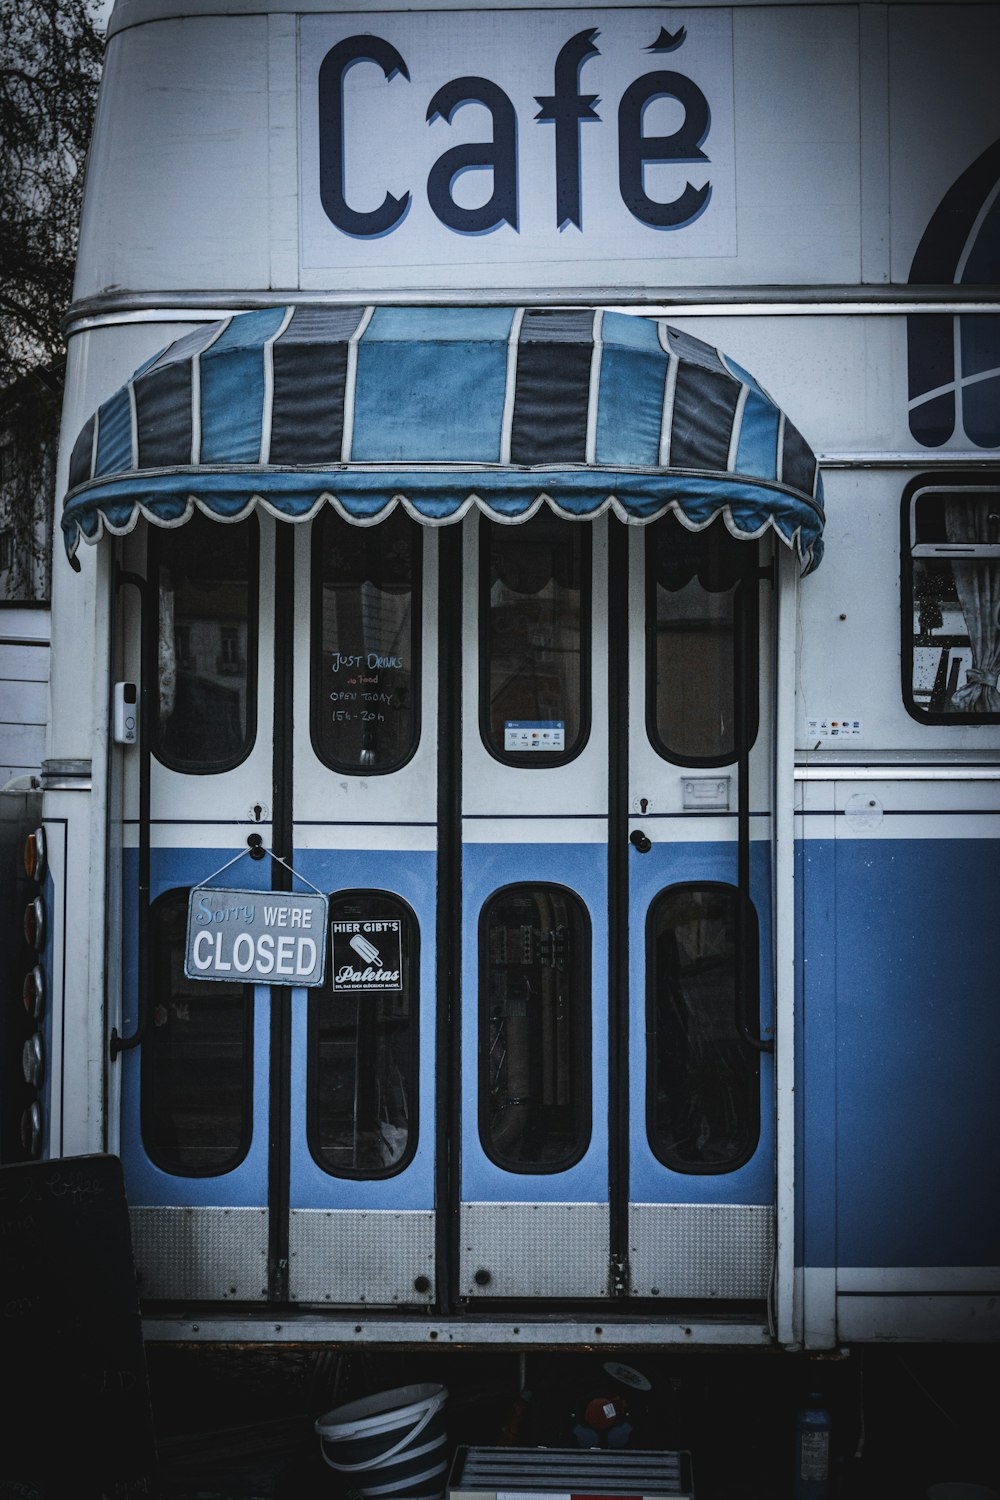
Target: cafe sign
(256, 937)
(439, 140)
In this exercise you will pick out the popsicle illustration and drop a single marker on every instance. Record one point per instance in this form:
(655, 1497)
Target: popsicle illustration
(366, 950)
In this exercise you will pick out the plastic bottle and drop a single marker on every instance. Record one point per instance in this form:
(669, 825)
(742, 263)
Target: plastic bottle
(812, 1449)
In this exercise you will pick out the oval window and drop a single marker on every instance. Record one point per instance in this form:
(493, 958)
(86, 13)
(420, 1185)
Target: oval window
(534, 1029)
(535, 639)
(363, 1040)
(196, 1082)
(365, 642)
(701, 593)
(702, 1079)
(204, 575)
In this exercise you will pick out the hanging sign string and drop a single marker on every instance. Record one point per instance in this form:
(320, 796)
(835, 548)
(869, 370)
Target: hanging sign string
(257, 851)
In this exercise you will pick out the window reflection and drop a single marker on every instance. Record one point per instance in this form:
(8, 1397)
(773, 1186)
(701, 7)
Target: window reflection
(365, 681)
(703, 1105)
(536, 638)
(206, 642)
(362, 1105)
(196, 1086)
(535, 1029)
(955, 547)
(696, 602)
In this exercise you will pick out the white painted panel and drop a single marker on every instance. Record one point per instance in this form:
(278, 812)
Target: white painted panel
(950, 1319)
(178, 170)
(849, 629)
(23, 704)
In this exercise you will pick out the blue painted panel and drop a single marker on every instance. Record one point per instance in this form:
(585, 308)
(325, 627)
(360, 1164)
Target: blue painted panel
(667, 864)
(582, 868)
(815, 1055)
(413, 876)
(918, 1052)
(147, 1185)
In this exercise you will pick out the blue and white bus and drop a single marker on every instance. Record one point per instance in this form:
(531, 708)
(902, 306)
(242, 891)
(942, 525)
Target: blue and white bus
(541, 467)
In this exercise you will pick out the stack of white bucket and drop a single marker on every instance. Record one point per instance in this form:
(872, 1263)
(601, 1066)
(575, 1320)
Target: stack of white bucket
(390, 1446)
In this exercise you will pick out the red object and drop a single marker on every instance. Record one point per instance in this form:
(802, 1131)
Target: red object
(602, 1412)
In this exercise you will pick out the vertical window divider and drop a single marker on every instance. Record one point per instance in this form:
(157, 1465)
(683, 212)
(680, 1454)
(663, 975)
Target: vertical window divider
(450, 1017)
(618, 904)
(743, 615)
(279, 1130)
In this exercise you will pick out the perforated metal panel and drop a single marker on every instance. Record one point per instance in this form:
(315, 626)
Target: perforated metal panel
(700, 1250)
(215, 1254)
(534, 1249)
(353, 1256)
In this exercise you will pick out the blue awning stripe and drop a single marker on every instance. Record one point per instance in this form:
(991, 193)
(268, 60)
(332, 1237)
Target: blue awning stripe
(438, 409)
(757, 450)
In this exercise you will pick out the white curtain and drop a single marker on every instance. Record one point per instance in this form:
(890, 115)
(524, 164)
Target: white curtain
(977, 583)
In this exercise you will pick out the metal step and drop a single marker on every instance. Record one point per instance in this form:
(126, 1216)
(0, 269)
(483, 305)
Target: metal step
(568, 1474)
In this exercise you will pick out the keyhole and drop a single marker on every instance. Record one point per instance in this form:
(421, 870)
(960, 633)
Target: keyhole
(643, 803)
(258, 812)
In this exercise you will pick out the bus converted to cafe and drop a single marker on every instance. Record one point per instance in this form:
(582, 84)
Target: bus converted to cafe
(521, 813)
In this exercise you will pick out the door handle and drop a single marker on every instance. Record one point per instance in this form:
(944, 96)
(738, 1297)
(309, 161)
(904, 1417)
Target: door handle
(639, 841)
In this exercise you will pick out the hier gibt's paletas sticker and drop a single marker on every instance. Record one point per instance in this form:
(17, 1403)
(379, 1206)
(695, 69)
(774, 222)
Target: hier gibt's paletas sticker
(367, 954)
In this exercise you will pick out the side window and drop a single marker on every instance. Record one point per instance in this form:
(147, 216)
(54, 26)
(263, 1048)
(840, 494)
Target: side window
(951, 602)
(196, 1080)
(534, 1028)
(203, 577)
(365, 642)
(701, 593)
(535, 639)
(702, 1080)
(361, 1104)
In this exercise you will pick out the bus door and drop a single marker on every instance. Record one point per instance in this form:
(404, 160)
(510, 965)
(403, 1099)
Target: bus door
(279, 1141)
(361, 1225)
(616, 1094)
(197, 610)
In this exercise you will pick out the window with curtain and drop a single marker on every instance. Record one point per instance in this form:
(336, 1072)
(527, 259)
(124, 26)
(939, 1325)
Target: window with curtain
(951, 594)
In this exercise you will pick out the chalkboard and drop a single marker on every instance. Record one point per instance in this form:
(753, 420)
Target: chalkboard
(76, 1414)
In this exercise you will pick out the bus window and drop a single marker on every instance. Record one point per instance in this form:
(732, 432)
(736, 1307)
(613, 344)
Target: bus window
(534, 1029)
(702, 1080)
(951, 589)
(363, 1036)
(535, 639)
(700, 590)
(195, 1078)
(205, 577)
(365, 642)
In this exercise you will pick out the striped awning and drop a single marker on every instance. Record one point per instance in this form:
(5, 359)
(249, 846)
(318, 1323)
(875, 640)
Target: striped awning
(438, 409)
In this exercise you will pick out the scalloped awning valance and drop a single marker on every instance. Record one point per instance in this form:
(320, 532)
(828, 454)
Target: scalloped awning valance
(438, 409)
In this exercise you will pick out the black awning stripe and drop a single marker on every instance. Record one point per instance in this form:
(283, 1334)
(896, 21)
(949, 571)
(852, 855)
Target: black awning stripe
(704, 409)
(165, 399)
(308, 358)
(552, 391)
(798, 466)
(81, 463)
